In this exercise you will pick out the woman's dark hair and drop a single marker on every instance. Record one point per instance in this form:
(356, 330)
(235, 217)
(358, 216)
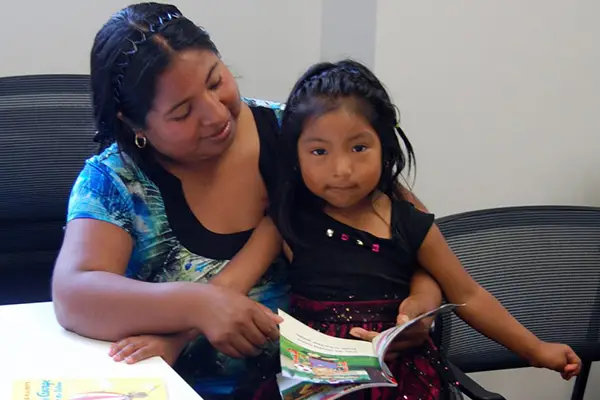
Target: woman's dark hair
(129, 53)
(326, 87)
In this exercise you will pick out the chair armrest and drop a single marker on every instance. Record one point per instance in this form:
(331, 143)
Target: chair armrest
(471, 388)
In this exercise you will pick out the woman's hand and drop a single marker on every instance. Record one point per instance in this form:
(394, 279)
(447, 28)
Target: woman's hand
(234, 324)
(412, 337)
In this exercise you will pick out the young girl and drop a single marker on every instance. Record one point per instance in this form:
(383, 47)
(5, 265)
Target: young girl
(353, 239)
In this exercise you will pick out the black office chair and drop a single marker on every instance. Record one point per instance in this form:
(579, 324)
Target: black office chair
(543, 264)
(46, 132)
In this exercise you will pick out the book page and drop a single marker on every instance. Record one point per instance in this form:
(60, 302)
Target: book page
(89, 389)
(312, 340)
(291, 389)
(311, 356)
(383, 340)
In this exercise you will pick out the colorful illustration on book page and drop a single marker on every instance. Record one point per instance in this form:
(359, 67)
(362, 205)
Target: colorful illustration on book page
(292, 389)
(90, 389)
(297, 362)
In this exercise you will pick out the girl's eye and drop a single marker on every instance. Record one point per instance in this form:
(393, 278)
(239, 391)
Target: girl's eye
(319, 152)
(359, 148)
(215, 86)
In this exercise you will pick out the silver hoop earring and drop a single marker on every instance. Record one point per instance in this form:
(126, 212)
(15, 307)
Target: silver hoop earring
(140, 140)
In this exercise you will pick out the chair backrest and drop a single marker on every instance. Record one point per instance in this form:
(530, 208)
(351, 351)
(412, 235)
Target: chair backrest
(543, 264)
(46, 133)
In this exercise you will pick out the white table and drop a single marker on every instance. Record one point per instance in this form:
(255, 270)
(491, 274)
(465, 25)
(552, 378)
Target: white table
(34, 345)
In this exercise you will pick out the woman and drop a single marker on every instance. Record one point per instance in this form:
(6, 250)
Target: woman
(178, 195)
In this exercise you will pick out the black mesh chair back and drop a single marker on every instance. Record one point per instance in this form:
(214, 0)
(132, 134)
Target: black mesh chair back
(543, 264)
(46, 133)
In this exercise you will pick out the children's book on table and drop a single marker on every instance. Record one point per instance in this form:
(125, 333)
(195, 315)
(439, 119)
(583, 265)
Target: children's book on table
(90, 389)
(316, 366)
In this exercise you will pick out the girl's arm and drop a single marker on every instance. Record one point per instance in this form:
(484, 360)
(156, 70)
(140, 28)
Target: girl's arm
(249, 264)
(425, 292)
(484, 313)
(425, 295)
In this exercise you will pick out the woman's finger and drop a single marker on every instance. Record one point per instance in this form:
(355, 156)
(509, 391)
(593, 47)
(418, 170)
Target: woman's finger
(230, 351)
(244, 347)
(276, 318)
(265, 323)
(254, 335)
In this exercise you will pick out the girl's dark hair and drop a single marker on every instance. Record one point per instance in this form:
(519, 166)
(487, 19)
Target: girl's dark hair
(326, 87)
(129, 53)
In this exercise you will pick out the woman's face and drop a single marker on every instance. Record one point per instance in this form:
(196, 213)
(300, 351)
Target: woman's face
(195, 109)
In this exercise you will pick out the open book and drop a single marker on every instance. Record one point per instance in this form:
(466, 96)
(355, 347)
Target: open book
(316, 366)
(90, 389)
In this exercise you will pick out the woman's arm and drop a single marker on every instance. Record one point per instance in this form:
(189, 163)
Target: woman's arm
(93, 298)
(250, 263)
(482, 311)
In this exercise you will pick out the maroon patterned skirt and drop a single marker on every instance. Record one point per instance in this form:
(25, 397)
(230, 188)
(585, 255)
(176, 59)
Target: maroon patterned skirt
(419, 372)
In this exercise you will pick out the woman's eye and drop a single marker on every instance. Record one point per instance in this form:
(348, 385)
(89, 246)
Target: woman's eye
(183, 114)
(360, 148)
(319, 152)
(214, 86)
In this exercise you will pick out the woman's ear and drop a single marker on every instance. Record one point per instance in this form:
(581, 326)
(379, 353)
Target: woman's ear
(129, 124)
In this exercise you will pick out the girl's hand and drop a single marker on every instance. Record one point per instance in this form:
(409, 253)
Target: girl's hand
(413, 337)
(137, 348)
(558, 357)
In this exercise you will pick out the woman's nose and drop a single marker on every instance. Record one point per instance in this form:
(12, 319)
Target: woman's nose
(211, 110)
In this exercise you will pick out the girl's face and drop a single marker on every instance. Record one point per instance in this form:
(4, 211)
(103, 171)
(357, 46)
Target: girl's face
(340, 158)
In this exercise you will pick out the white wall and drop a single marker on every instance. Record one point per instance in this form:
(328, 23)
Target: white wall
(268, 44)
(501, 100)
(348, 29)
